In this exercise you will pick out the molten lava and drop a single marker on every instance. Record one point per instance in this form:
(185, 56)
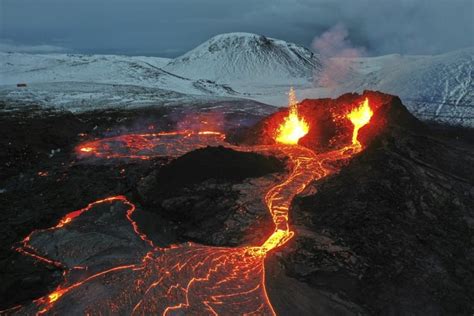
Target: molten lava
(53, 297)
(189, 278)
(294, 127)
(86, 149)
(359, 117)
(149, 145)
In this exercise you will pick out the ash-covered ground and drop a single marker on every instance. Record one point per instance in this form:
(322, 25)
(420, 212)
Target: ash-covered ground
(392, 233)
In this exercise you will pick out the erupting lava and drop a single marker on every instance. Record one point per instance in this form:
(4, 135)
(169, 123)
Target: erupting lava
(188, 278)
(294, 127)
(359, 117)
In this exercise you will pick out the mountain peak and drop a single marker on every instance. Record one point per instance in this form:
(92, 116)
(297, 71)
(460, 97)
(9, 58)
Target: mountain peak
(246, 57)
(234, 34)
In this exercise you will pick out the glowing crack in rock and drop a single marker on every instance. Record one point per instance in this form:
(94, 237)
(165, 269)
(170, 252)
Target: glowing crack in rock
(183, 279)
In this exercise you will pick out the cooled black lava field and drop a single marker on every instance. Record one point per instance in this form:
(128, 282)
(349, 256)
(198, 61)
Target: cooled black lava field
(391, 233)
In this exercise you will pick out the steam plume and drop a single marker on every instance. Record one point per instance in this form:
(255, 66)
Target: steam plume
(336, 50)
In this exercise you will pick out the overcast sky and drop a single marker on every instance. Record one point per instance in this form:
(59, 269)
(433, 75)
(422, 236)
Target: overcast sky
(171, 27)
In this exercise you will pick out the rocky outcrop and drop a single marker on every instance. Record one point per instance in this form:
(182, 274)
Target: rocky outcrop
(214, 195)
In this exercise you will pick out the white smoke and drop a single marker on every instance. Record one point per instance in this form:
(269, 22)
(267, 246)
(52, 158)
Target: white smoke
(336, 51)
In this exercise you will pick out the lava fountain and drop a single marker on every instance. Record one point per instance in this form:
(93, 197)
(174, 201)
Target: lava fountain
(359, 117)
(293, 127)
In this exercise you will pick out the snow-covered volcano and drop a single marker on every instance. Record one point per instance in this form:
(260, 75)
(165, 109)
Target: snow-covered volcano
(246, 57)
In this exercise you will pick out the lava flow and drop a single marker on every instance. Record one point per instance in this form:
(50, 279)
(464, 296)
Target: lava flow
(188, 278)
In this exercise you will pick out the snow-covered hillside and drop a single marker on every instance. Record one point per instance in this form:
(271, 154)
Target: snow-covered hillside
(245, 57)
(433, 87)
(237, 65)
(104, 69)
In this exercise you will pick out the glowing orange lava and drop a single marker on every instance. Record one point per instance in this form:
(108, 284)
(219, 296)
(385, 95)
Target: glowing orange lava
(190, 278)
(294, 127)
(53, 297)
(86, 149)
(149, 145)
(359, 117)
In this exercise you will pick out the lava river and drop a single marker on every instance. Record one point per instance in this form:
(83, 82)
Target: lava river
(183, 279)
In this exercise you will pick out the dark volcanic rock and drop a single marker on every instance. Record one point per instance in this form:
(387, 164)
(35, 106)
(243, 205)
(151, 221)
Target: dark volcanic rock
(210, 196)
(393, 232)
(219, 163)
(41, 179)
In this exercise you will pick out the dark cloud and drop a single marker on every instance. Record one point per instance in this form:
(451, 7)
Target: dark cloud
(171, 27)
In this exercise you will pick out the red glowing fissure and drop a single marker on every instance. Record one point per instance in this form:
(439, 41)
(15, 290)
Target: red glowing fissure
(191, 278)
